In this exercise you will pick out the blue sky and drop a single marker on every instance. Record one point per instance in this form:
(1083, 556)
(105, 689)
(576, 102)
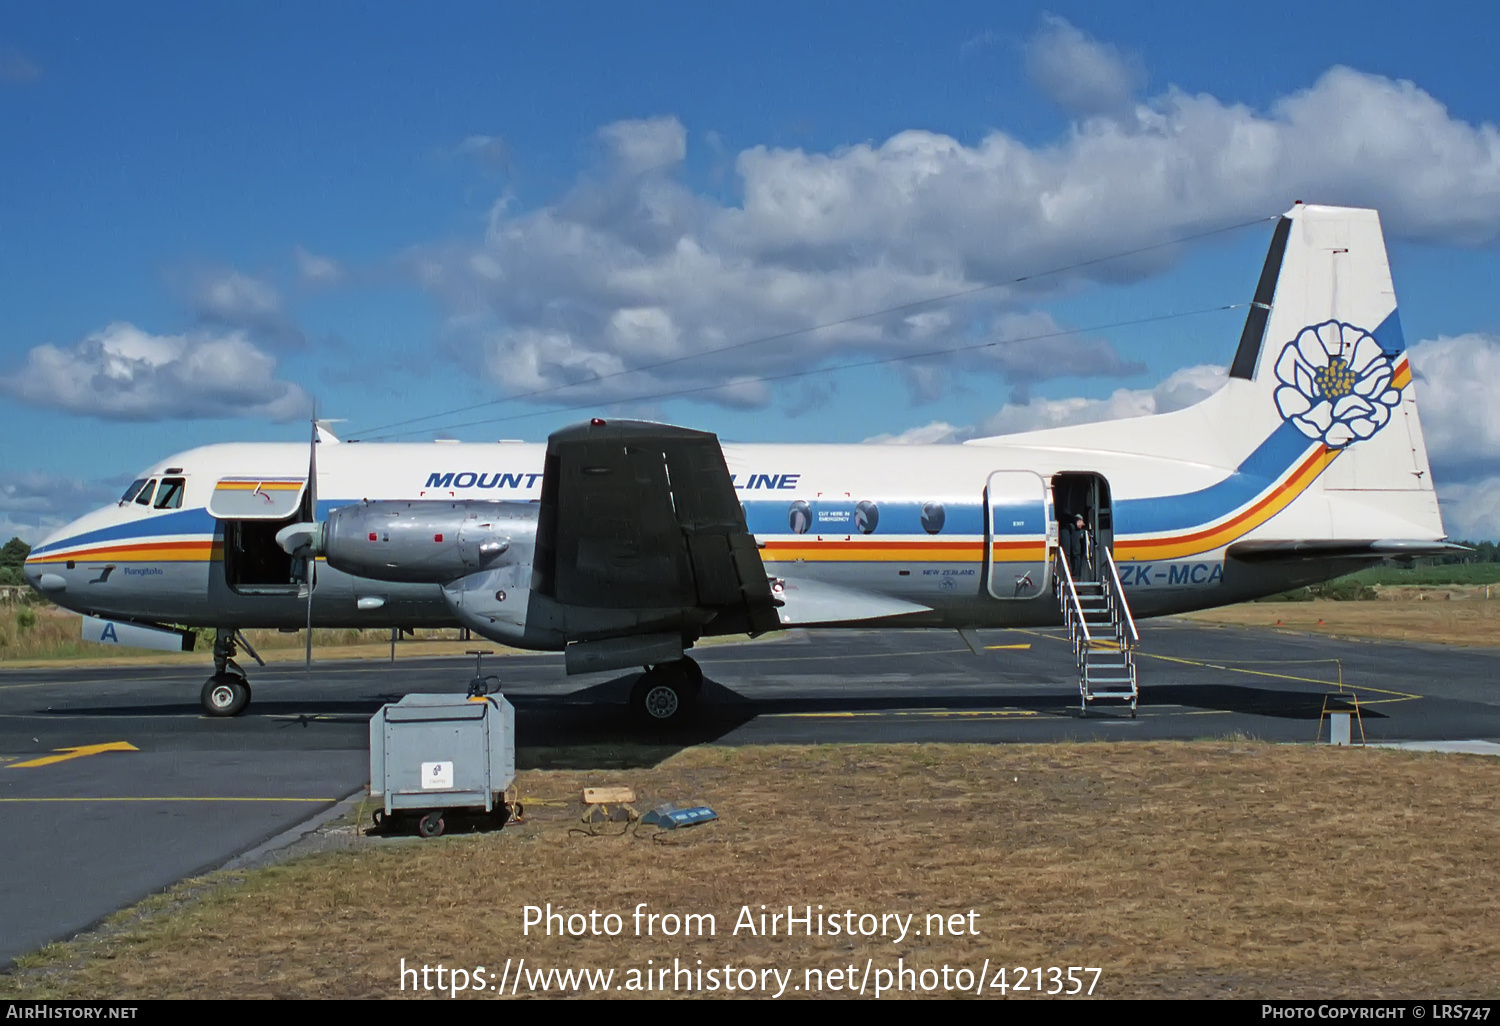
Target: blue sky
(209, 213)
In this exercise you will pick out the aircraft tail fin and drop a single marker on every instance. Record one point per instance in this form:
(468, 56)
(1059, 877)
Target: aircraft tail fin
(1322, 354)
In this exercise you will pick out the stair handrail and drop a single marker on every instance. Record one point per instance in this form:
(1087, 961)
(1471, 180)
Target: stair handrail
(1119, 593)
(1072, 594)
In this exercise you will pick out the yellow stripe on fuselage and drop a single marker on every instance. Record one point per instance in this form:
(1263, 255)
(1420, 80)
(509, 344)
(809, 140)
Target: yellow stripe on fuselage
(139, 552)
(257, 485)
(1211, 538)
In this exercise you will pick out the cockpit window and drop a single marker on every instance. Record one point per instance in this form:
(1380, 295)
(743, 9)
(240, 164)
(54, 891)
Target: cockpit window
(135, 486)
(144, 499)
(169, 495)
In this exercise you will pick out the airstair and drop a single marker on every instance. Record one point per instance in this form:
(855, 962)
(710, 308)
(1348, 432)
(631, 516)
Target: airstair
(1099, 624)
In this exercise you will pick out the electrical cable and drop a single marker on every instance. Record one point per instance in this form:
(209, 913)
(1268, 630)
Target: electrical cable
(367, 434)
(768, 378)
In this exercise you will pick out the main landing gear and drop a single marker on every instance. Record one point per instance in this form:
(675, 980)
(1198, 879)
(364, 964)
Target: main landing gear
(227, 692)
(666, 693)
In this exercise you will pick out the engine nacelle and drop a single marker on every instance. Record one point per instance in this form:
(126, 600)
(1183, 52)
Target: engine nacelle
(426, 541)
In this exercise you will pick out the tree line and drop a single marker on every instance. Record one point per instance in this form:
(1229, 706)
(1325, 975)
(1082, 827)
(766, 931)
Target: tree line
(12, 555)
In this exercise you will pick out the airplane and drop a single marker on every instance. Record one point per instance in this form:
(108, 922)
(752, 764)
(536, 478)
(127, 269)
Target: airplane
(623, 543)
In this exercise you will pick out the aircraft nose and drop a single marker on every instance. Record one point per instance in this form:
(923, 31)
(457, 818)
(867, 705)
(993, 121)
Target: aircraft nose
(43, 569)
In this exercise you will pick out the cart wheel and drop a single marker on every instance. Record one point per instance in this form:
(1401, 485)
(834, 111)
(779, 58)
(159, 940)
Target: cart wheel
(431, 825)
(378, 818)
(500, 815)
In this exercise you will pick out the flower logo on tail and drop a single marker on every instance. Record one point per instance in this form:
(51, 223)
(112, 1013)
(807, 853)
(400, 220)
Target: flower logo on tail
(1335, 384)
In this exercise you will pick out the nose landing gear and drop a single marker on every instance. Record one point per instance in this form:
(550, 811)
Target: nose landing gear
(224, 694)
(227, 692)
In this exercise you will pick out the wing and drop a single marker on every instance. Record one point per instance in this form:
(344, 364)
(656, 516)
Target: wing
(644, 516)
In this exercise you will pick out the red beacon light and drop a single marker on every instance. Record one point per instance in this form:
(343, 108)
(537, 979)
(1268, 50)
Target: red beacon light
(596, 422)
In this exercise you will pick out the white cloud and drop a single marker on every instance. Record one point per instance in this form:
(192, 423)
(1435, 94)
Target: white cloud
(1079, 74)
(1456, 382)
(33, 504)
(317, 270)
(632, 267)
(646, 145)
(1182, 388)
(124, 373)
(928, 434)
(30, 530)
(1471, 510)
(491, 150)
(1456, 379)
(225, 297)
(232, 296)
(33, 492)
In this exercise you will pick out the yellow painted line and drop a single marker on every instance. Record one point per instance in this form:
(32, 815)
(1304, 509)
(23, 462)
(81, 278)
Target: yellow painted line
(1400, 696)
(166, 799)
(977, 714)
(853, 655)
(989, 648)
(75, 753)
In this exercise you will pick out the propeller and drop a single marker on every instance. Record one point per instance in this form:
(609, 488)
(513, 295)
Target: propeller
(312, 506)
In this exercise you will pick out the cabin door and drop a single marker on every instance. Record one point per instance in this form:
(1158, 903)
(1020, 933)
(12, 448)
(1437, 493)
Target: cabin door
(1019, 535)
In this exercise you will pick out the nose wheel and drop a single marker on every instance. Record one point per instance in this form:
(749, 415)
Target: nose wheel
(225, 694)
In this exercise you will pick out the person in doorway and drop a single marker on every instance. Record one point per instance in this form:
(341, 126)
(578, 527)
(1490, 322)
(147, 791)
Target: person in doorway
(1078, 548)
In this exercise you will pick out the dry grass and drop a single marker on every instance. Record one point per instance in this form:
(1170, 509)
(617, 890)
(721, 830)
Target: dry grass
(1208, 869)
(55, 637)
(1443, 616)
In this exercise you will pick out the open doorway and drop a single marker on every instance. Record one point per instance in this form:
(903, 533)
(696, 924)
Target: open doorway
(1083, 495)
(255, 564)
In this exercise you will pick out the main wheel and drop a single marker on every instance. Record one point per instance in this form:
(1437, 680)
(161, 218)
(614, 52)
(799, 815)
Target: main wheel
(431, 825)
(224, 694)
(665, 693)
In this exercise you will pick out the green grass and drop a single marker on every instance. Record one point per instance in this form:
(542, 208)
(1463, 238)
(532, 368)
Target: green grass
(1361, 585)
(1454, 573)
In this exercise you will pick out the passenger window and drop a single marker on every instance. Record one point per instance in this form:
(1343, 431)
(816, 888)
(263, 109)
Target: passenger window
(144, 499)
(799, 517)
(866, 517)
(135, 486)
(169, 495)
(933, 516)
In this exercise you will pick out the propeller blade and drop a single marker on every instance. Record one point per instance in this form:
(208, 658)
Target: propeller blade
(312, 506)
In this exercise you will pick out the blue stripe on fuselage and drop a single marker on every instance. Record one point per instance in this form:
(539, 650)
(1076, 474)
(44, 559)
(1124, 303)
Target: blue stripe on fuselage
(183, 521)
(1148, 515)
(1260, 471)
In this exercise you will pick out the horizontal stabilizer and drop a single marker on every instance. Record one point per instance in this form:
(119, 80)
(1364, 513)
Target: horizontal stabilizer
(1325, 548)
(808, 602)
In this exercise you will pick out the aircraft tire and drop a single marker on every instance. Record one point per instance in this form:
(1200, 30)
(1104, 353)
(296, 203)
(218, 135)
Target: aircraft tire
(665, 693)
(224, 694)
